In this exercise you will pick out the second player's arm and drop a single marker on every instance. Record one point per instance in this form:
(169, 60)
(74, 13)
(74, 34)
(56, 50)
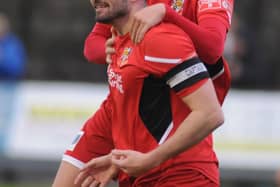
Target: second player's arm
(94, 46)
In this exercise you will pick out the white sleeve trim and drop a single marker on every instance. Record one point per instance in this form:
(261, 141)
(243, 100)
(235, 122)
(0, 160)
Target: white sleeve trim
(218, 74)
(163, 60)
(167, 132)
(79, 164)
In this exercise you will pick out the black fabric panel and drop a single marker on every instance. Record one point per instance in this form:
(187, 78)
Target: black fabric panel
(214, 69)
(155, 108)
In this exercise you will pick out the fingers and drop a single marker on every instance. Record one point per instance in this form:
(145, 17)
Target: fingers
(120, 153)
(117, 162)
(141, 32)
(119, 158)
(114, 32)
(103, 184)
(81, 177)
(134, 29)
(110, 42)
(108, 59)
(98, 162)
(138, 29)
(109, 50)
(90, 164)
(146, 18)
(90, 182)
(109, 47)
(94, 184)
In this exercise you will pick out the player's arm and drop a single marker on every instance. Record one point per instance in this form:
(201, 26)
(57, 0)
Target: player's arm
(94, 46)
(206, 115)
(65, 175)
(209, 34)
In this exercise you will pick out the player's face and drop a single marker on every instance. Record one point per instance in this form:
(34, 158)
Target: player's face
(109, 10)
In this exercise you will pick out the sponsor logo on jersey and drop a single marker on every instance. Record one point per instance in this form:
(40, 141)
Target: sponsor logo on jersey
(177, 5)
(125, 55)
(209, 4)
(76, 140)
(115, 80)
(226, 5)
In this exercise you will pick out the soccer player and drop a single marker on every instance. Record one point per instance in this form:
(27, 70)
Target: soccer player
(205, 21)
(162, 108)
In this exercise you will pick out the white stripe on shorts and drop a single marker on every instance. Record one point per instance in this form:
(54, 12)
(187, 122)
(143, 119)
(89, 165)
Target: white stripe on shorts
(79, 164)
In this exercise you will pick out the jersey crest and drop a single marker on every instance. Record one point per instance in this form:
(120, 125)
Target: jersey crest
(125, 55)
(177, 5)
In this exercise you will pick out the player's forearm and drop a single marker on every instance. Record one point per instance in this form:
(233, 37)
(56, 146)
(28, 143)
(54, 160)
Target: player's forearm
(208, 37)
(206, 115)
(194, 129)
(94, 49)
(94, 46)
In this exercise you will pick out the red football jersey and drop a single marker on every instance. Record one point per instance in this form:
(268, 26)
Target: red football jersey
(141, 109)
(199, 12)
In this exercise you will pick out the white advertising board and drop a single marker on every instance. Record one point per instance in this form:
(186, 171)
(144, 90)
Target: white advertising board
(250, 136)
(47, 115)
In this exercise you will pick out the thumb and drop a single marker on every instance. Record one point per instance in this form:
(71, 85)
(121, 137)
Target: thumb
(120, 153)
(118, 162)
(119, 157)
(90, 164)
(97, 162)
(114, 32)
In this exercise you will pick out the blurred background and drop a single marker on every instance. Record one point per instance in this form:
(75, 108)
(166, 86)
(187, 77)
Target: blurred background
(49, 90)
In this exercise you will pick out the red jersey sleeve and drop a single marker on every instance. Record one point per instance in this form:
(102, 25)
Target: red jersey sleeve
(208, 35)
(94, 46)
(169, 53)
(218, 9)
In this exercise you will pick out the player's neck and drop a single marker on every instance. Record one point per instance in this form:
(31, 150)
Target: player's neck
(124, 24)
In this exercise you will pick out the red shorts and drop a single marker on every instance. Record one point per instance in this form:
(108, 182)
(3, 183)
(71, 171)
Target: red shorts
(192, 178)
(94, 139)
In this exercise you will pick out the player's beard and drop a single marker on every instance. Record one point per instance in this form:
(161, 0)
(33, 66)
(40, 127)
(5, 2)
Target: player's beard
(118, 11)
